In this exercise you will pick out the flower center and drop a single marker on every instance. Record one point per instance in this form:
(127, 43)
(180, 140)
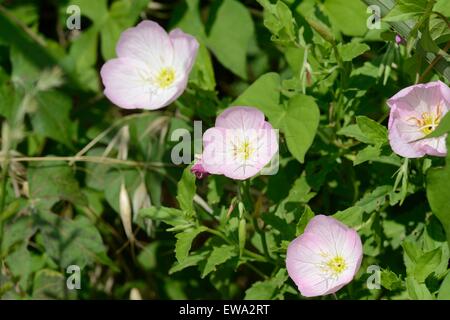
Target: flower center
(165, 77)
(244, 150)
(428, 121)
(336, 265)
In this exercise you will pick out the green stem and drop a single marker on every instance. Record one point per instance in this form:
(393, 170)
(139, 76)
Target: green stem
(3, 185)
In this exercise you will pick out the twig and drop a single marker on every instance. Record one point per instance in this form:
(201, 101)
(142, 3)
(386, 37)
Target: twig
(94, 159)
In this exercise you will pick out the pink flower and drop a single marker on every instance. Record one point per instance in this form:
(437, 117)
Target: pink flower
(399, 39)
(240, 144)
(198, 169)
(415, 112)
(325, 257)
(152, 67)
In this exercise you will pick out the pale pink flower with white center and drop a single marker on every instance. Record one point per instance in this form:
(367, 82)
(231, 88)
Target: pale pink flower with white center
(325, 257)
(240, 144)
(151, 69)
(415, 112)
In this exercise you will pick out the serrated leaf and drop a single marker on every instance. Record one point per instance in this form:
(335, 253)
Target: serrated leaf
(406, 9)
(352, 217)
(367, 154)
(52, 181)
(184, 242)
(353, 131)
(351, 50)
(190, 261)
(52, 117)
(444, 290)
(218, 256)
(171, 216)
(307, 215)
(390, 280)
(71, 241)
(374, 131)
(427, 263)
(186, 192)
(416, 290)
(266, 290)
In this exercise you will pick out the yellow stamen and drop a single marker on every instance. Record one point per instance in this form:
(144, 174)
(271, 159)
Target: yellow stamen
(165, 77)
(428, 122)
(244, 150)
(336, 265)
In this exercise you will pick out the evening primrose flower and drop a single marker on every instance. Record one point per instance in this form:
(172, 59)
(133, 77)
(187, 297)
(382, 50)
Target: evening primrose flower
(240, 144)
(325, 257)
(151, 69)
(416, 111)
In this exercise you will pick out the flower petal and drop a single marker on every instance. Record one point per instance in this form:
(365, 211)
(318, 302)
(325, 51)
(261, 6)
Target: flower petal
(148, 42)
(185, 49)
(241, 118)
(124, 84)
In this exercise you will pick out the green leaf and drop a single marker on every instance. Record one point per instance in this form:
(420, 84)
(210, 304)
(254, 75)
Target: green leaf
(367, 154)
(184, 242)
(416, 290)
(264, 94)
(171, 216)
(218, 256)
(202, 73)
(17, 231)
(49, 284)
(148, 257)
(406, 9)
(266, 290)
(427, 263)
(375, 132)
(352, 217)
(438, 192)
(353, 131)
(52, 117)
(22, 264)
(307, 215)
(71, 241)
(444, 290)
(51, 181)
(301, 121)
(349, 16)
(278, 19)
(190, 261)
(375, 199)
(191, 21)
(7, 98)
(390, 280)
(186, 192)
(94, 10)
(232, 28)
(351, 50)
(427, 41)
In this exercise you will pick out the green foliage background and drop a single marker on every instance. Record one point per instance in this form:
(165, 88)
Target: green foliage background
(86, 183)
